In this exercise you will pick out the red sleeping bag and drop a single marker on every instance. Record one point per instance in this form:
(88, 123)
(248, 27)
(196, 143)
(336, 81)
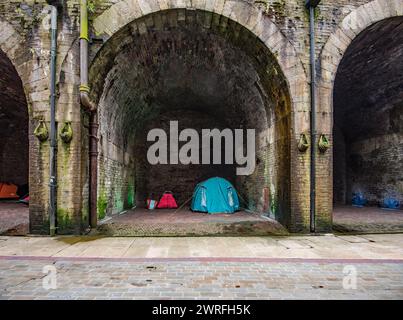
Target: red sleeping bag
(167, 201)
(8, 191)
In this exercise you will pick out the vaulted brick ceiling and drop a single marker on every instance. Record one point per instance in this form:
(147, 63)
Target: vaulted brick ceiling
(224, 72)
(368, 92)
(13, 106)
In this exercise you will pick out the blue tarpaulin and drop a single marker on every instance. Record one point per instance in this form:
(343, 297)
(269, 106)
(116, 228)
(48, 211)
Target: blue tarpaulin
(215, 195)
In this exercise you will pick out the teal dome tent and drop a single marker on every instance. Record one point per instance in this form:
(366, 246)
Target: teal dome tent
(215, 195)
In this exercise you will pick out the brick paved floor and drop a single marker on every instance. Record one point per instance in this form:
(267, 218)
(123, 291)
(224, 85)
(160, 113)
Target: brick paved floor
(184, 222)
(14, 218)
(367, 220)
(200, 279)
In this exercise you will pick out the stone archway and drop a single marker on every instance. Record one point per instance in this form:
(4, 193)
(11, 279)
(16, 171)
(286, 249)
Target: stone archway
(243, 13)
(14, 145)
(352, 41)
(32, 73)
(14, 153)
(242, 16)
(338, 42)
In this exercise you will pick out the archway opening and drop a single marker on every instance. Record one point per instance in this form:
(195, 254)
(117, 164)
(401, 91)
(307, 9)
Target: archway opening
(204, 71)
(14, 155)
(368, 130)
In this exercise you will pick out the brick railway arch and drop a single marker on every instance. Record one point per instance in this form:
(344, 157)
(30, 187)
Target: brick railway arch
(244, 13)
(33, 71)
(237, 27)
(359, 35)
(14, 128)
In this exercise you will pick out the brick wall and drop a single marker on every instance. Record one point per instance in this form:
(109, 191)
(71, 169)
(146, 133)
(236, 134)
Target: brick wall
(115, 180)
(180, 179)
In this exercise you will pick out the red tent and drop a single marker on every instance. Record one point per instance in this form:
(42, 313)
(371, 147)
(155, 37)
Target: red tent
(167, 201)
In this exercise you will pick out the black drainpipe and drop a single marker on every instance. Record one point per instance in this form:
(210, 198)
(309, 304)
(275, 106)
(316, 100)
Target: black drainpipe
(53, 142)
(311, 5)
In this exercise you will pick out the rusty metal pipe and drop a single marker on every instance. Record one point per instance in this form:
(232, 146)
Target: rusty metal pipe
(90, 107)
(93, 153)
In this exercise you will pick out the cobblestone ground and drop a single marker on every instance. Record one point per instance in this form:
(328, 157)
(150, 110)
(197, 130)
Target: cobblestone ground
(156, 279)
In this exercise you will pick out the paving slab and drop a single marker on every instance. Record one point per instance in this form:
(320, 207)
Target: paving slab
(322, 247)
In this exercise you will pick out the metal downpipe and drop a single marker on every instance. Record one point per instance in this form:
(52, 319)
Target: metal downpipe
(311, 5)
(53, 129)
(90, 107)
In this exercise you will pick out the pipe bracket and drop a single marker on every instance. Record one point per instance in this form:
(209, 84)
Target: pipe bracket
(41, 131)
(323, 143)
(66, 133)
(84, 88)
(303, 143)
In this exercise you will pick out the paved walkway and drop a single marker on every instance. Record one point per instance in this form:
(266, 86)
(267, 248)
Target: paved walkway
(306, 247)
(25, 279)
(259, 267)
(328, 267)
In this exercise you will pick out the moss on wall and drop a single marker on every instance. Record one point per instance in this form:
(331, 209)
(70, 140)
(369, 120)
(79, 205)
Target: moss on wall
(119, 200)
(102, 204)
(65, 222)
(130, 196)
